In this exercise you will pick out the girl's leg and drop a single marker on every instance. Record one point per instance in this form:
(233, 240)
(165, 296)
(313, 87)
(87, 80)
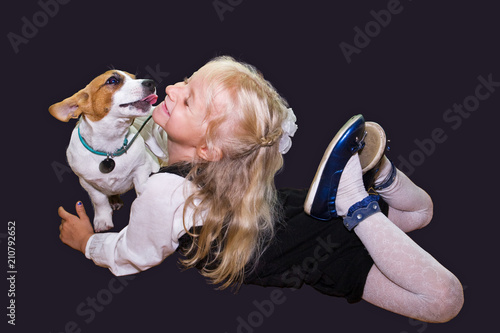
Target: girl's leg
(410, 207)
(405, 279)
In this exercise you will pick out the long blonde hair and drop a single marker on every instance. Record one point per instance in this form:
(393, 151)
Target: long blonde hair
(236, 196)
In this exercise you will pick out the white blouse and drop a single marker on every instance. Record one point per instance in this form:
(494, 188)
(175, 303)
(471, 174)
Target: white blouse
(156, 223)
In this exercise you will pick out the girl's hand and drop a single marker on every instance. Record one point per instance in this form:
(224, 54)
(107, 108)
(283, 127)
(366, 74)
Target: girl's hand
(75, 230)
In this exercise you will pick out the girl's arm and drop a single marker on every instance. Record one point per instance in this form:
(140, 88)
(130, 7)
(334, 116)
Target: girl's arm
(75, 230)
(152, 234)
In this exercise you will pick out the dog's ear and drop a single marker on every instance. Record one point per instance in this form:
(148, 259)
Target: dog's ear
(71, 107)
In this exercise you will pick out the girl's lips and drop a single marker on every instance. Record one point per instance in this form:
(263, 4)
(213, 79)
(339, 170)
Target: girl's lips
(163, 105)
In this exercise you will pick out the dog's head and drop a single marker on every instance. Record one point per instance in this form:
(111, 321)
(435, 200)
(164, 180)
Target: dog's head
(114, 92)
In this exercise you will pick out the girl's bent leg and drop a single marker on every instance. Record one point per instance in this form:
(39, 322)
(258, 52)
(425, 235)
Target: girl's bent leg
(410, 207)
(406, 279)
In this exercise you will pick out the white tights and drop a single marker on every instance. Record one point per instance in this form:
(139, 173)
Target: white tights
(405, 279)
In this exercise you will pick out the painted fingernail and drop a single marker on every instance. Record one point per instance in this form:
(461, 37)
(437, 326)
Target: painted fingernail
(79, 203)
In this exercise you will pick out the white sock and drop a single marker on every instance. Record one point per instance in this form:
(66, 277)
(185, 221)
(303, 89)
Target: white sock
(351, 188)
(384, 171)
(411, 207)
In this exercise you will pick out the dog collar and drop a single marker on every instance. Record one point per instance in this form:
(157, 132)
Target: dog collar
(108, 164)
(118, 152)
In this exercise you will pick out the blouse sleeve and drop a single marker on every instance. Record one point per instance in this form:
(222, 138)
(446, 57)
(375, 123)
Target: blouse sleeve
(153, 231)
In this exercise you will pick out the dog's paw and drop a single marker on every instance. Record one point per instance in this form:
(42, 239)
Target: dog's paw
(101, 225)
(115, 202)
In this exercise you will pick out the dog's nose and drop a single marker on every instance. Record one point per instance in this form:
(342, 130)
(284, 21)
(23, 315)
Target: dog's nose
(149, 84)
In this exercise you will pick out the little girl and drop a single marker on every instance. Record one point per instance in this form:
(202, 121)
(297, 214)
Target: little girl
(216, 202)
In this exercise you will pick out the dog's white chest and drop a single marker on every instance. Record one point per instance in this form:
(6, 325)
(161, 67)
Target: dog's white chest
(85, 164)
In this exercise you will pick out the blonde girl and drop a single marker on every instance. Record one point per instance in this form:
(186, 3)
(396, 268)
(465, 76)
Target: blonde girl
(216, 202)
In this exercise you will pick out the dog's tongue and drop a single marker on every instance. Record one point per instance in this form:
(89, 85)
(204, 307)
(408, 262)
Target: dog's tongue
(151, 99)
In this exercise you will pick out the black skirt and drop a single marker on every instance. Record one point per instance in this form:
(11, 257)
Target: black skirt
(321, 254)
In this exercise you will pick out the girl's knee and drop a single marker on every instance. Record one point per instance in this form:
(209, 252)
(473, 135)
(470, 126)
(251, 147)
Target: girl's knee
(424, 215)
(448, 302)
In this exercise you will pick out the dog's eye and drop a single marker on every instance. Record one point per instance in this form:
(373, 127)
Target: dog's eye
(113, 80)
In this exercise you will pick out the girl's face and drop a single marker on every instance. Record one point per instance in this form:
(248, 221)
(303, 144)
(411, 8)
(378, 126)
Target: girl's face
(183, 113)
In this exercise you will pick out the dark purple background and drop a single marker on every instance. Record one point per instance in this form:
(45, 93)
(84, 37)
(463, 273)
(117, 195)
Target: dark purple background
(425, 60)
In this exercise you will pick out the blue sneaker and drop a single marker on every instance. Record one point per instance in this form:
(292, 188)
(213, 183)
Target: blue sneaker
(320, 200)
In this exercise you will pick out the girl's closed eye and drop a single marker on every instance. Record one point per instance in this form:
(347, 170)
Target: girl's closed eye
(186, 101)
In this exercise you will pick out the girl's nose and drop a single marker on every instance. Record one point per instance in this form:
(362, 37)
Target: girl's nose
(174, 90)
(169, 91)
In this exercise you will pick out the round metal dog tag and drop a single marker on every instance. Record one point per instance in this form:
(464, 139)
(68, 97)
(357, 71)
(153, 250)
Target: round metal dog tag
(107, 165)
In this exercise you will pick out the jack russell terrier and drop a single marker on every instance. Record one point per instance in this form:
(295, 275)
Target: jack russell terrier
(105, 151)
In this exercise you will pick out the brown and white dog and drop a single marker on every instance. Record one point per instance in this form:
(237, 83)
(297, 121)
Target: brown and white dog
(108, 106)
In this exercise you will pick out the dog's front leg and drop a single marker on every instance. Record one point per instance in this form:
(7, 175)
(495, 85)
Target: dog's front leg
(140, 177)
(143, 172)
(102, 210)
